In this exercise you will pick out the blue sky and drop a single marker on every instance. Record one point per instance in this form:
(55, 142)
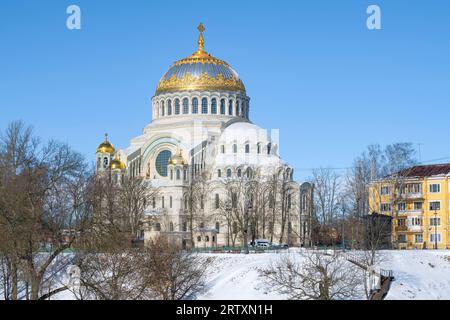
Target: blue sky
(311, 68)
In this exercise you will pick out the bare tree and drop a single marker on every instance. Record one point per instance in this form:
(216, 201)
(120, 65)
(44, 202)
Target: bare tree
(173, 274)
(313, 275)
(41, 203)
(133, 201)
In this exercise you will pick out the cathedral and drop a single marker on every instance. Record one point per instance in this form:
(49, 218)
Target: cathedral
(201, 127)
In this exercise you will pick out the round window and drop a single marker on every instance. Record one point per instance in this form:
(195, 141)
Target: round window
(162, 160)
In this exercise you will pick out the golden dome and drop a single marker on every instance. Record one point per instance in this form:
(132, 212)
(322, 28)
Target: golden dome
(177, 159)
(105, 146)
(200, 71)
(116, 163)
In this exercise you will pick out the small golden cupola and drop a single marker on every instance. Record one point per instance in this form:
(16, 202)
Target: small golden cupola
(117, 163)
(177, 159)
(106, 146)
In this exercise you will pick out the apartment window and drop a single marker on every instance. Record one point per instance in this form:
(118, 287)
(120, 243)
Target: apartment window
(435, 188)
(158, 227)
(385, 207)
(435, 221)
(435, 205)
(402, 238)
(153, 202)
(217, 227)
(418, 205)
(170, 202)
(219, 173)
(418, 238)
(416, 221)
(162, 202)
(435, 237)
(385, 190)
(401, 222)
(222, 148)
(416, 188)
(401, 206)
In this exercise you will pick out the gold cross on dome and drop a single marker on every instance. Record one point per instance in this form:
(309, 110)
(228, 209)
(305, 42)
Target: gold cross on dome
(200, 27)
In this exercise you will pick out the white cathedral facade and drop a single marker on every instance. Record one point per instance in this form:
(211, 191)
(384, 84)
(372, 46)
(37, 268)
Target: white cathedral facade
(201, 126)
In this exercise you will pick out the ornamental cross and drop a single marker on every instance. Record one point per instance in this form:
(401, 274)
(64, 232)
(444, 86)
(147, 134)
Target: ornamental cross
(200, 27)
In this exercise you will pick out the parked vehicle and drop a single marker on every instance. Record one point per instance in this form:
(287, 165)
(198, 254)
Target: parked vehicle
(260, 243)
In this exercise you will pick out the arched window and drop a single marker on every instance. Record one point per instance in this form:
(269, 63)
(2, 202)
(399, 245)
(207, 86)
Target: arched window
(237, 108)
(158, 226)
(230, 107)
(171, 227)
(235, 148)
(177, 106)
(269, 148)
(178, 174)
(217, 227)
(249, 173)
(213, 106)
(186, 202)
(228, 173)
(222, 106)
(247, 148)
(258, 147)
(202, 225)
(162, 108)
(206, 238)
(169, 107)
(161, 162)
(216, 201)
(195, 105)
(239, 173)
(219, 173)
(199, 239)
(204, 105)
(185, 106)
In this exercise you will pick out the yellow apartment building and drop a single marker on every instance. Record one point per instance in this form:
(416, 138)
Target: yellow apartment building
(417, 199)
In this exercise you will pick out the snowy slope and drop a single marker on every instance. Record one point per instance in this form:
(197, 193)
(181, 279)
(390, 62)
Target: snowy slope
(418, 275)
(421, 274)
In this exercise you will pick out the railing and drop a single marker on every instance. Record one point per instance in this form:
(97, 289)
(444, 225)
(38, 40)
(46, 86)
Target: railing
(415, 228)
(401, 228)
(412, 212)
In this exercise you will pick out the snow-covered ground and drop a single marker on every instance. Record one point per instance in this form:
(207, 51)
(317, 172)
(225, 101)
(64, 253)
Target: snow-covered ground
(421, 274)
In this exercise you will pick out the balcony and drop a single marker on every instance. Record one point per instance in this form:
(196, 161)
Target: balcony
(401, 228)
(413, 195)
(415, 228)
(416, 212)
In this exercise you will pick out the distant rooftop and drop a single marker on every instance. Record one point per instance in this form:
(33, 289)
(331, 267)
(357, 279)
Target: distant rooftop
(426, 170)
